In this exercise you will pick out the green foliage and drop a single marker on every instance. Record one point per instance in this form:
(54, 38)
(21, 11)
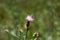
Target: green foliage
(46, 15)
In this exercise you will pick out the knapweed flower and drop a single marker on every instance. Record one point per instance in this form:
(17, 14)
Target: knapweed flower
(29, 18)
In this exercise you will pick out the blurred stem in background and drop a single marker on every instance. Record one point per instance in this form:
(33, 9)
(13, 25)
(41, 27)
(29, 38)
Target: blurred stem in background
(54, 32)
(54, 36)
(1, 33)
(20, 36)
(9, 35)
(15, 26)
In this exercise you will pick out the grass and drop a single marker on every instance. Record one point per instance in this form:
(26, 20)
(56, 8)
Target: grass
(46, 22)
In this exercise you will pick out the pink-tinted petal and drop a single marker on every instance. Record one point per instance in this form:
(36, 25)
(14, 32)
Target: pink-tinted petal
(29, 18)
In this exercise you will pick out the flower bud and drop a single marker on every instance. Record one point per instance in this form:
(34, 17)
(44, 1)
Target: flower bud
(36, 34)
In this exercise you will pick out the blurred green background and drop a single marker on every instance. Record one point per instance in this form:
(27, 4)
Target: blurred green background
(46, 14)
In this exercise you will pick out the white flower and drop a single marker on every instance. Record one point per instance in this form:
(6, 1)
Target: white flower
(29, 18)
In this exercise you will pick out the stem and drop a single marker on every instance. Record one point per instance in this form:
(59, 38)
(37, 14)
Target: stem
(15, 25)
(28, 24)
(54, 34)
(20, 36)
(9, 36)
(26, 34)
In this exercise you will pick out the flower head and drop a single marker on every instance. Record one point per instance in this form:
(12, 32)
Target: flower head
(20, 30)
(36, 34)
(6, 30)
(29, 18)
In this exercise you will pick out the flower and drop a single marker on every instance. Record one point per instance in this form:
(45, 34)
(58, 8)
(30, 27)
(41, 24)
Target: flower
(36, 34)
(6, 30)
(29, 18)
(20, 30)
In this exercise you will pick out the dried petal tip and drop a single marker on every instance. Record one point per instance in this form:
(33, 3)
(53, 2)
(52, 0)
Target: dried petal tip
(29, 18)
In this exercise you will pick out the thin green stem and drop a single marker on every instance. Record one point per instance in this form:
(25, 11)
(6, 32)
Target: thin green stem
(26, 34)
